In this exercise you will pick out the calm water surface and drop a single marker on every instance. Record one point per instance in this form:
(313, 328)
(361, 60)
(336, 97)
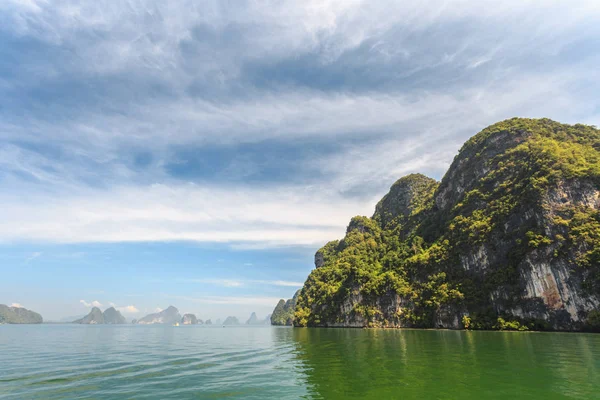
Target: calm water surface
(164, 362)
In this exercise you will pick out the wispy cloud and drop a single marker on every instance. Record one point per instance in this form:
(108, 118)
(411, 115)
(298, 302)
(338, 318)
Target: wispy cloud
(243, 282)
(278, 283)
(33, 256)
(184, 212)
(262, 124)
(16, 305)
(218, 282)
(229, 300)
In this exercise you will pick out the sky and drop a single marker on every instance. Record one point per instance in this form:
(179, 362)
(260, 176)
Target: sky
(197, 153)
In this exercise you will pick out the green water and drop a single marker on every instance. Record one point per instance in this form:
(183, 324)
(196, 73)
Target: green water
(161, 362)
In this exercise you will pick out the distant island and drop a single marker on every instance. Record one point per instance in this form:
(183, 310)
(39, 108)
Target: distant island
(254, 320)
(168, 316)
(190, 319)
(18, 315)
(508, 240)
(96, 316)
(231, 321)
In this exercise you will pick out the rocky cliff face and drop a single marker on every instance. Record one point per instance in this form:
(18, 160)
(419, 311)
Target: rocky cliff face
(168, 316)
(509, 239)
(18, 315)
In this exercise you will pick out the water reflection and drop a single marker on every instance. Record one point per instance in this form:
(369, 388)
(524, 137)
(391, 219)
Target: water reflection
(376, 364)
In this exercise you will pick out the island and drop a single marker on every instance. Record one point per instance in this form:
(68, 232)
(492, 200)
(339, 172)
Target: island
(18, 315)
(508, 240)
(170, 315)
(97, 317)
(231, 321)
(190, 319)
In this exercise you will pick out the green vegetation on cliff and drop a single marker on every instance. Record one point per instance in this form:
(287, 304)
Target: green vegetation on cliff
(510, 239)
(283, 314)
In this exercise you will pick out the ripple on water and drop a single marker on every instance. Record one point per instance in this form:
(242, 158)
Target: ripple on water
(160, 362)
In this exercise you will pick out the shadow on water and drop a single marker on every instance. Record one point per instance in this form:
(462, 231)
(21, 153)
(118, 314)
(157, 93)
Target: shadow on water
(431, 364)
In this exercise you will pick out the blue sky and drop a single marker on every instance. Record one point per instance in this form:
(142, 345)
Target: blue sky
(198, 153)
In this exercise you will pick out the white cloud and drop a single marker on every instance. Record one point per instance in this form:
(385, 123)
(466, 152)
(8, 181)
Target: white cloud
(94, 303)
(158, 309)
(33, 256)
(415, 121)
(279, 216)
(279, 283)
(128, 309)
(243, 282)
(230, 300)
(218, 282)
(16, 305)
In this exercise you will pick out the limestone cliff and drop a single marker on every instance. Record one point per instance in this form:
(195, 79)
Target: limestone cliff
(509, 239)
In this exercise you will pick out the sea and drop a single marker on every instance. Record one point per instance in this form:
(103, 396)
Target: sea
(246, 362)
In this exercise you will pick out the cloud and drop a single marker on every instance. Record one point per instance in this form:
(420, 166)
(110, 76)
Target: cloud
(218, 282)
(94, 303)
(229, 300)
(32, 257)
(243, 282)
(280, 216)
(262, 124)
(16, 305)
(279, 283)
(128, 309)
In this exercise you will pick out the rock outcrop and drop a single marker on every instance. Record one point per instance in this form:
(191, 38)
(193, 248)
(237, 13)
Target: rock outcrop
(253, 320)
(18, 315)
(189, 319)
(113, 316)
(509, 239)
(283, 314)
(231, 321)
(168, 316)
